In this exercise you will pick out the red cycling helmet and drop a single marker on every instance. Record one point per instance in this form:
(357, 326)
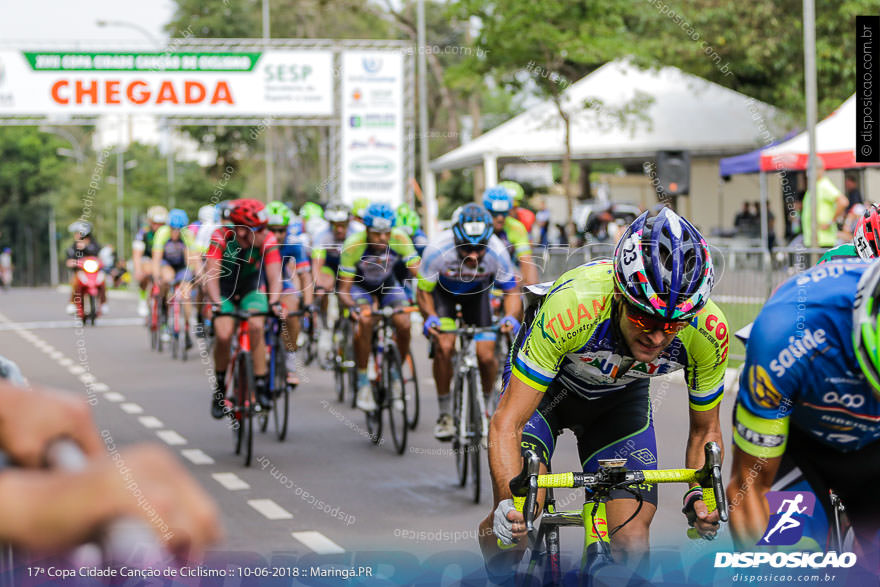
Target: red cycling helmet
(249, 212)
(866, 237)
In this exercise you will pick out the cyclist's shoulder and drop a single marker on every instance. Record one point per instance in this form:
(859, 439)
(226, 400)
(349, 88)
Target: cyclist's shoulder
(514, 227)
(840, 252)
(163, 232)
(498, 248)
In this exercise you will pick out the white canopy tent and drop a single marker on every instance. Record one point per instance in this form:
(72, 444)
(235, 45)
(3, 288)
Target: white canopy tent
(667, 109)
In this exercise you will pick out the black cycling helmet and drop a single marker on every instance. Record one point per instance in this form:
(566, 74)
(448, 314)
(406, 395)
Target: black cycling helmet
(472, 225)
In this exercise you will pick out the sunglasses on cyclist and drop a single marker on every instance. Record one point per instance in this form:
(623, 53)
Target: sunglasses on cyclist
(648, 325)
(468, 249)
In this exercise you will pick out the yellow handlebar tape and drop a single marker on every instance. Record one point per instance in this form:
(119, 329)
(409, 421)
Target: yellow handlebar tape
(556, 480)
(518, 503)
(670, 476)
(693, 534)
(709, 499)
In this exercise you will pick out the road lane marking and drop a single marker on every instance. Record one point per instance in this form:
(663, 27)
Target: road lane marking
(56, 324)
(100, 387)
(171, 437)
(197, 456)
(132, 408)
(76, 370)
(87, 378)
(150, 422)
(230, 481)
(65, 362)
(318, 543)
(270, 509)
(113, 396)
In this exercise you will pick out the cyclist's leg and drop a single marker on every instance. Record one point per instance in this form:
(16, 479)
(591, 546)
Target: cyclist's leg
(476, 309)
(292, 301)
(444, 348)
(363, 334)
(394, 295)
(257, 301)
(184, 276)
(621, 425)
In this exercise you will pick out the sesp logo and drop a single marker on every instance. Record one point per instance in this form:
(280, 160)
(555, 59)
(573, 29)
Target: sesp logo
(645, 455)
(786, 526)
(372, 64)
(763, 392)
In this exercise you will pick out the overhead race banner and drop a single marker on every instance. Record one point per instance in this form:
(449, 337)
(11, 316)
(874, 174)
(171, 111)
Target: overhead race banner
(273, 82)
(372, 126)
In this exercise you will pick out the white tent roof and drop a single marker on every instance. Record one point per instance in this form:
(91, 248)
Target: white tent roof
(687, 113)
(835, 143)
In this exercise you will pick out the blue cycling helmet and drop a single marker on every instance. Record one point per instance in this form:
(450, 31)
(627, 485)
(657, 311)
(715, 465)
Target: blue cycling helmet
(662, 266)
(497, 200)
(380, 217)
(472, 225)
(177, 218)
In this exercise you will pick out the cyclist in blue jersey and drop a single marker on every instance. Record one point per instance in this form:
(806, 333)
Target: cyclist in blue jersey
(809, 398)
(465, 262)
(499, 202)
(296, 281)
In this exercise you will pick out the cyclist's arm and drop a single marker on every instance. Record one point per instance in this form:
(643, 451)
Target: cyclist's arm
(750, 479)
(317, 263)
(159, 240)
(425, 299)
(212, 279)
(273, 279)
(513, 303)
(344, 291)
(305, 284)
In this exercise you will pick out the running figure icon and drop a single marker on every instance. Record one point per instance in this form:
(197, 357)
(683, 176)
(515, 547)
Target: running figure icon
(789, 506)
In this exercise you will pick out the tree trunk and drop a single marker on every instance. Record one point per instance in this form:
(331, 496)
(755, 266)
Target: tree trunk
(566, 158)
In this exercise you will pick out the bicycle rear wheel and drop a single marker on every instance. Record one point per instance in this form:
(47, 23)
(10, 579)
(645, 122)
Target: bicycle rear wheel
(459, 449)
(281, 395)
(395, 398)
(338, 359)
(246, 386)
(411, 389)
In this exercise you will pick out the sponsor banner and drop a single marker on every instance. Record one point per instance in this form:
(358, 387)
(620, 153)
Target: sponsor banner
(263, 83)
(372, 126)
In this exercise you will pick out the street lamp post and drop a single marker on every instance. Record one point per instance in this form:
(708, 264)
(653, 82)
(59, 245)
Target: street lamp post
(270, 134)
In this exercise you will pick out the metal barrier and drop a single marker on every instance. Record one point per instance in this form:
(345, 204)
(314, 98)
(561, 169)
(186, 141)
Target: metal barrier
(744, 276)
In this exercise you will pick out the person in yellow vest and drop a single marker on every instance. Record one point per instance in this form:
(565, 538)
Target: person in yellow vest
(831, 206)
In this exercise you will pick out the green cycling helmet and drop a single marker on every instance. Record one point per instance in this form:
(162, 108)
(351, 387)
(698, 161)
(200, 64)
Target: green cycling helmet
(279, 214)
(359, 206)
(410, 222)
(311, 210)
(866, 326)
(515, 190)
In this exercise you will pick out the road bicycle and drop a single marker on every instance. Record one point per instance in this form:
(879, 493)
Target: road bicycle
(344, 366)
(277, 378)
(390, 390)
(180, 340)
(543, 542)
(156, 318)
(469, 414)
(241, 385)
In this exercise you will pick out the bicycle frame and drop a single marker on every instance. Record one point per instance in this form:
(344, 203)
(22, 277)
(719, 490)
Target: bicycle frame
(612, 474)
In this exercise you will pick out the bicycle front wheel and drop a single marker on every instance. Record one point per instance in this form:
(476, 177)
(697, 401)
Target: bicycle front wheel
(395, 392)
(475, 435)
(411, 391)
(246, 386)
(281, 395)
(459, 448)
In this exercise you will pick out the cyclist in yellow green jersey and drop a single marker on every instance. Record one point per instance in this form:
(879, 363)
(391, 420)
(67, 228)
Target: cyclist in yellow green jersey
(366, 275)
(142, 252)
(511, 231)
(584, 359)
(175, 258)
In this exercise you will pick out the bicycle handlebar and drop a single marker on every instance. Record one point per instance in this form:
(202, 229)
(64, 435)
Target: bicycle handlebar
(123, 538)
(524, 487)
(471, 330)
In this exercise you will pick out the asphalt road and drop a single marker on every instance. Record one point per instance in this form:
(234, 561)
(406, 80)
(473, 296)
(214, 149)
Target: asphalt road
(327, 489)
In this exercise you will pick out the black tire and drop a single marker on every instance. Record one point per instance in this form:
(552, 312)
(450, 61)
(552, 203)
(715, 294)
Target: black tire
(411, 387)
(338, 358)
(93, 310)
(475, 435)
(247, 386)
(460, 450)
(396, 418)
(352, 370)
(281, 400)
(374, 418)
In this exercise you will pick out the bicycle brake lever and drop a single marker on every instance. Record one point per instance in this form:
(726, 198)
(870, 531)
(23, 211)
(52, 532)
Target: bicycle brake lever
(712, 469)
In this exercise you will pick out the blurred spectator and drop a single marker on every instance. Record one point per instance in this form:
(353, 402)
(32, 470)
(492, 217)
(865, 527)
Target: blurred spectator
(853, 193)
(598, 222)
(745, 220)
(542, 218)
(6, 267)
(771, 227)
(831, 204)
(849, 223)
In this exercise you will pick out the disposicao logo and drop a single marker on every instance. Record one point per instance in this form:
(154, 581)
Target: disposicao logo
(786, 526)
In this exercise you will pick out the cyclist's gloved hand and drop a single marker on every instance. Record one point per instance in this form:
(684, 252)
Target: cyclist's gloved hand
(503, 527)
(430, 322)
(512, 322)
(706, 528)
(277, 308)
